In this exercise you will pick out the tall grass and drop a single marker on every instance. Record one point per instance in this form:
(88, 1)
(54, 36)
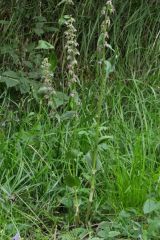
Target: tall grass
(45, 156)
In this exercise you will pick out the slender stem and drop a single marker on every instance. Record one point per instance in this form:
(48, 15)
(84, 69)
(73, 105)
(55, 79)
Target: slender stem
(95, 149)
(102, 44)
(76, 205)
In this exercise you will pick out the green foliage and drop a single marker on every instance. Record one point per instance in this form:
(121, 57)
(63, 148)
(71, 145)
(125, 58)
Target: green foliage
(46, 150)
(17, 80)
(44, 45)
(151, 205)
(71, 181)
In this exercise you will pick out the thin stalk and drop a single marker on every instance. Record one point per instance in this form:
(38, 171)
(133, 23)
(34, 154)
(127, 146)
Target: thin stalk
(76, 205)
(102, 77)
(95, 151)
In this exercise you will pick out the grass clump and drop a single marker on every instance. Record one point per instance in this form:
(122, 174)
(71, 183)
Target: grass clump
(79, 135)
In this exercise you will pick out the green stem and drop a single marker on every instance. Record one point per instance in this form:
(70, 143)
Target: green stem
(76, 205)
(100, 72)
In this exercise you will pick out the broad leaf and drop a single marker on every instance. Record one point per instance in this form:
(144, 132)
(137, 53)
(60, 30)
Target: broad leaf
(10, 78)
(150, 205)
(113, 234)
(60, 99)
(24, 85)
(69, 115)
(72, 181)
(53, 61)
(44, 45)
(103, 233)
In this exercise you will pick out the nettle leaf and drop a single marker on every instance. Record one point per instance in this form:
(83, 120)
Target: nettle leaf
(69, 115)
(24, 85)
(44, 45)
(59, 99)
(72, 181)
(103, 233)
(151, 205)
(10, 78)
(113, 234)
(17, 80)
(80, 232)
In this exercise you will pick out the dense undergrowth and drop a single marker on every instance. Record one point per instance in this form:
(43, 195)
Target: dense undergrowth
(48, 142)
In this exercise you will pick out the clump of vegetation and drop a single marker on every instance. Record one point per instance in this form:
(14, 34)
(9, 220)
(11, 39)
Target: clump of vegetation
(79, 119)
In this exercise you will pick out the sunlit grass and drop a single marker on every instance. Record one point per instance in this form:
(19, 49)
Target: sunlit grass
(39, 148)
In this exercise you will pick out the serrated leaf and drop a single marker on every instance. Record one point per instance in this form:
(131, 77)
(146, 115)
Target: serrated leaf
(24, 85)
(113, 234)
(10, 78)
(10, 74)
(68, 115)
(150, 205)
(60, 99)
(80, 233)
(44, 45)
(17, 80)
(103, 233)
(67, 236)
(72, 181)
